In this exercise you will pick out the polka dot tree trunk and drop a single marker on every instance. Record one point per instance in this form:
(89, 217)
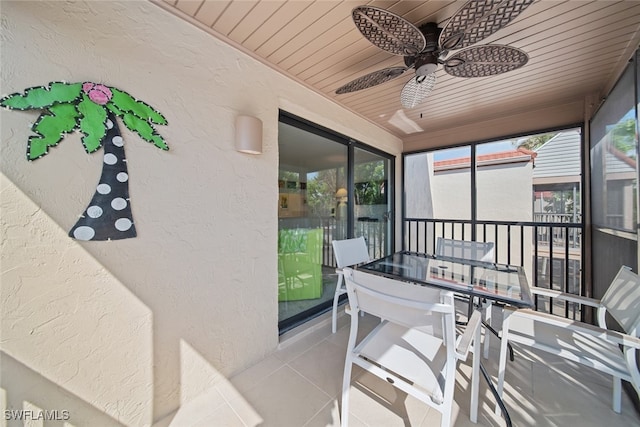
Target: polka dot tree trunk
(108, 216)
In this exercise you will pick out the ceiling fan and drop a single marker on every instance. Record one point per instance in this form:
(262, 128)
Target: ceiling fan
(427, 46)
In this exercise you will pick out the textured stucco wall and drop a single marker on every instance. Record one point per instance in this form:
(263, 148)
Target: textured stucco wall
(101, 328)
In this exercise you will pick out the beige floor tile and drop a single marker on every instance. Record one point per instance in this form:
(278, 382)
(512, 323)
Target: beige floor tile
(223, 416)
(286, 399)
(190, 413)
(252, 376)
(237, 402)
(323, 366)
(299, 386)
(329, 416)
(290, 351)
(366, 324)
(377, 403)
(562, 398)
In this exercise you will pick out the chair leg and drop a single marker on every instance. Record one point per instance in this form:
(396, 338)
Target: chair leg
(617, 394)
(487, 334)
(503, 360)
(336, 296)
(475, 372)
(346, 385)
(445, 421)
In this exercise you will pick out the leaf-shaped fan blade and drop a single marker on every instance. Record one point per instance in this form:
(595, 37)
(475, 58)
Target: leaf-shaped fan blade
(487, 60)
(372, 79)
(416, 90)
(388, 31)
(478, 19)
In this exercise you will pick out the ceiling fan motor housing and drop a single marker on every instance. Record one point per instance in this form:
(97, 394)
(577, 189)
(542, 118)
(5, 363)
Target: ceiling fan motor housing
(426, 63)
(431, 34)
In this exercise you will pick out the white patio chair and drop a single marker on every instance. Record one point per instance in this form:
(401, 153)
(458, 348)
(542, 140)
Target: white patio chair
(477, 251)
(414, 348)
(348, 252)
(598, 347)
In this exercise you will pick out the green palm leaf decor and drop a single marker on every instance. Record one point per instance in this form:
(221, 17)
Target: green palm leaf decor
(91, 109)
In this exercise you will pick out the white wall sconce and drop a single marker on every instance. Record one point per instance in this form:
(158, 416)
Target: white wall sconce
(248, 135)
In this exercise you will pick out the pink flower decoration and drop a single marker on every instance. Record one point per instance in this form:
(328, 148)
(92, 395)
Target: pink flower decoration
(100, 94)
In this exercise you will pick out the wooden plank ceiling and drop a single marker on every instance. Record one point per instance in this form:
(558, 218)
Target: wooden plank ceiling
(576, 48)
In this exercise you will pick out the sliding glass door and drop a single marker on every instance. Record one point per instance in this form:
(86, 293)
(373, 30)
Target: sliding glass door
(372, 202)
(330, 188)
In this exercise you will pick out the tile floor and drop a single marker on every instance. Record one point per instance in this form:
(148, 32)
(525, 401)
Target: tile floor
(299, 385)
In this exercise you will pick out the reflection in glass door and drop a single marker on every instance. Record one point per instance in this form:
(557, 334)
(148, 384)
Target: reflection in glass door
(311, 182)
(372, 201)
(322, 199)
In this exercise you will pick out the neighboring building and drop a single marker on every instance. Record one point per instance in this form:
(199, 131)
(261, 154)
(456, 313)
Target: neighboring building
(503, 185)
(440, 189)
(557, 193)
(557, 179)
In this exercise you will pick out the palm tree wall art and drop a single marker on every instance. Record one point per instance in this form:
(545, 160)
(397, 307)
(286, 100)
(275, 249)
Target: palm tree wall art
(92, 109)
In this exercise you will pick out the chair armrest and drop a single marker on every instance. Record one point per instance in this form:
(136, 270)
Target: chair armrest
(565, 296)
(464, 341)
(575, 326)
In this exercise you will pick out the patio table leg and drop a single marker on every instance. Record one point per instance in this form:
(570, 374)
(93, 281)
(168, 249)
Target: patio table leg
(503, 408)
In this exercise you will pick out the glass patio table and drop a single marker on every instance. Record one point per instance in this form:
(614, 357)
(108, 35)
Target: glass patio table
(498, 282)
(502, 283)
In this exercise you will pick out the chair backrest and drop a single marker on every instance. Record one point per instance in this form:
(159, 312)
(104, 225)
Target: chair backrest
(622, 301)
(350, 252)
(428, 309)
(477, 251)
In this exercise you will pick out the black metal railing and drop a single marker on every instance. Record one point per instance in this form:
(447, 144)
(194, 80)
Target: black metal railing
(550, 252)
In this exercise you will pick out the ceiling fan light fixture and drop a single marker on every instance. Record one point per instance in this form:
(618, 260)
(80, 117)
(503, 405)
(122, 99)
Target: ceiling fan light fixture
(416, 90)
(426, 63)
(426, 69)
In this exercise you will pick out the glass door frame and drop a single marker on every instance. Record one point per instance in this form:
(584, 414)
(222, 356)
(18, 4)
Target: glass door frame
(351, 144)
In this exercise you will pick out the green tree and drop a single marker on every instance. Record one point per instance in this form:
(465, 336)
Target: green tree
(623, 137)
(92, 109)
(321, 193)
(370, 182)
(534, 142)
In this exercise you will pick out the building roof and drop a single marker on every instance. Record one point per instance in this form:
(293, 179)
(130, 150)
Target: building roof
(519, 155)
